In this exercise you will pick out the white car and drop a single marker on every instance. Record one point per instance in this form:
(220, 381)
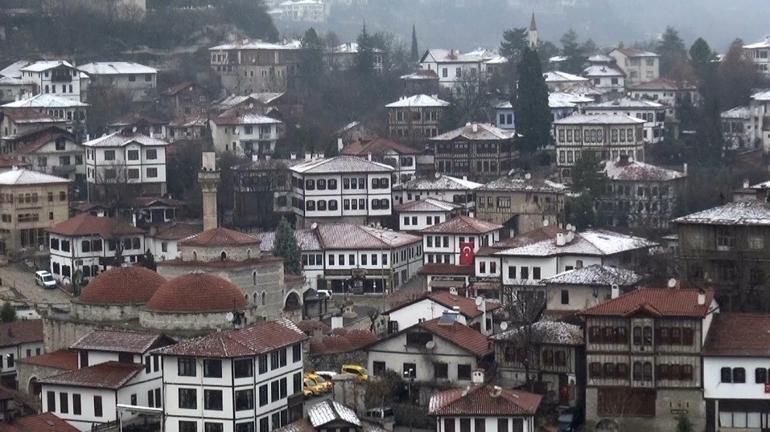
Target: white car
(44, 279)
(327, 375)
(325, 294)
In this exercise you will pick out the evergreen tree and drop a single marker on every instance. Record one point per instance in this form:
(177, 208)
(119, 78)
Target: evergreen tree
(7, 313)
(512, 48)
(701, 57)
(311, 62)
(570, 48)
(285, 246)
(414, 56)
(671, 49)
(533, 115)
(580, 211)
(588, 174)
(364, 61)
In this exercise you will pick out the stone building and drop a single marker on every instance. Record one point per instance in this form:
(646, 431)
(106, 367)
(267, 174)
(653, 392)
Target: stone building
(30, 202)
(236, 257)
(521, 203)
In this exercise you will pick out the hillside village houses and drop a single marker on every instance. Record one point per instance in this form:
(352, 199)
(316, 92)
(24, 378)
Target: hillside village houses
(245, 132)
(605, 77)
(53, 151)
(441, 187)
(18, 123)
(19, 340)
(757, 52)
(403, 158)
(558, 80)
(653, 114)
(57, 77)
(416, 118)
(138, 81)
(738, 128)
(459, 72)
(30, 202)
(424, 213)
(637, 65)
(433, 305)
(255, 66)
(343, 57)
(574, 290)
(71, 111)
(476, 150)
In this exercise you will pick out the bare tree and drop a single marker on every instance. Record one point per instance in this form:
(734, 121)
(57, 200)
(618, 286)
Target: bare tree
(523, 308)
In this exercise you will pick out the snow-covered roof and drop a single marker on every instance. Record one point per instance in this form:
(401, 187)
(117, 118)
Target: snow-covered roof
(739, 112)
(14, 69)
(565, 100)
(349, 48)
(6, 80)
(441, 183)
(116, 68)
(120, 139)
(329, 411)
(635, 52)
(28, 177)
(596, 275)
(598, 119)
(237, 116)
(427, 205)
(498, 59)
(344, 236)
(593, 242)
(476, 131)
(259, 45)
(524, 184)
(557, 59)
(559, 76)
(40, 66)
(546, 332)
(46, 100)
(600, 58)
(763, 96)
(602, 71)
(633, 170)
(418, 101)
(455, 56)
(761, 44)
(625, 103)
(341, 164)
(733, 213)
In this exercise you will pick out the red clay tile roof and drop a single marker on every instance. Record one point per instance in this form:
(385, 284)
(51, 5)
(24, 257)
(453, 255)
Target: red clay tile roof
(446, 269)
(23, 331)
(45, 422)
(221, 237)
(114, 340)
(28, 114)
(462, 225)
(259, 338)
(62, 359)
(197, 292)
(378, 146)
(309, 326)
(109, 375)
(663, 302)
(33, 141)
(7, 161)
(529, 237)
(122, 286)
(177, 231)
(467, 305)
(342, 340)
(484, 400)
(85, 224)
(460, 335)
(739, 335)
(218, 263)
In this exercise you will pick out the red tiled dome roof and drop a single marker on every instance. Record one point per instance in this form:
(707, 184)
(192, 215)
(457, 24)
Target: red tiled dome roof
(197, 292)
(122, 286)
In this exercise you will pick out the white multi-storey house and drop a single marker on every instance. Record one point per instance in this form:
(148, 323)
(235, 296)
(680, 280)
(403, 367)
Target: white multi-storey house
(558, 80)
(457, 240)
(241, 380)
(18, 340)
(138, 81)
(459, 72)
(738, 128)
(70, 111)
(421, 214)
(245, 132)
(115, 367)
(341, 189)
(56, 77)
(126, 160)
(354, 258)
(653, 114)
(758, 53)
(605, 77)
(433, 305)
(88, 244)
(736, 377)
(53, 151)
(638, 65)
(760, 118)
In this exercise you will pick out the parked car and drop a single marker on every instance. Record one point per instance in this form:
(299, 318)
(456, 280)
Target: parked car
(323, 385)
(380, 413)
(570, 419)
(311, 388)
(327, 375)
(44, 279)
(325, 294)
(357, 370)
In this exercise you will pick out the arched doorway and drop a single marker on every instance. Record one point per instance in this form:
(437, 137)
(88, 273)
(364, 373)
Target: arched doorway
(34, 388)
(292, 302)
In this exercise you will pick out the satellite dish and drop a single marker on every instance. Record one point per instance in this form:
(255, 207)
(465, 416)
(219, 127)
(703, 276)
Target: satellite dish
(453, 291)
(672, 283)
(430, 345)
(504, 326)
(479, 300)
(229, 317)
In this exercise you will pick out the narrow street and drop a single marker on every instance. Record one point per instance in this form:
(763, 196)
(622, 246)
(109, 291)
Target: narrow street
(17, 282)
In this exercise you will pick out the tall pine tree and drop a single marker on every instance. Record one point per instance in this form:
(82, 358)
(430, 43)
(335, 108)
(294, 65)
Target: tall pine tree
(533, 115)
(414, 56)
(311, 61)
(364, 61)
(285, 246)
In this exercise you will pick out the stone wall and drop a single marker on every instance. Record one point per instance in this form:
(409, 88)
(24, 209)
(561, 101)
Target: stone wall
(88, 312)
(27, 373)
(669, 405)
(180, 323)
(232, 253)
(60, 333)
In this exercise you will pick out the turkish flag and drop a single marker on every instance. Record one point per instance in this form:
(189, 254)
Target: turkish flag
(466, 254)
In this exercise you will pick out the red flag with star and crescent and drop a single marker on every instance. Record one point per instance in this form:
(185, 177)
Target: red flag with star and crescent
(466, 254)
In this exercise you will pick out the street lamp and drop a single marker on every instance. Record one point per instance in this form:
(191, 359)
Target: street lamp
(409, 373)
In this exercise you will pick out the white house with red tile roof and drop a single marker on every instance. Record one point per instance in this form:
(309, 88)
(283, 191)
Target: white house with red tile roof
(244, 380)
(736, 378)
(434, 304)
(88, 244)
(484, 408)
(424, 213)
(18, 340)
(643, 358)
(440, 350)
(53, 151)
(443, 243)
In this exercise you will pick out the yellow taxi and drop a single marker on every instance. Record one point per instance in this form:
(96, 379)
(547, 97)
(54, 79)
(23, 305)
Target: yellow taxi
(323, 385)
(357, 370)
(311, 388)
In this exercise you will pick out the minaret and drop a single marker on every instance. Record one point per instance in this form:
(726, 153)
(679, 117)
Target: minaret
(532, 33)
(208, 178)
